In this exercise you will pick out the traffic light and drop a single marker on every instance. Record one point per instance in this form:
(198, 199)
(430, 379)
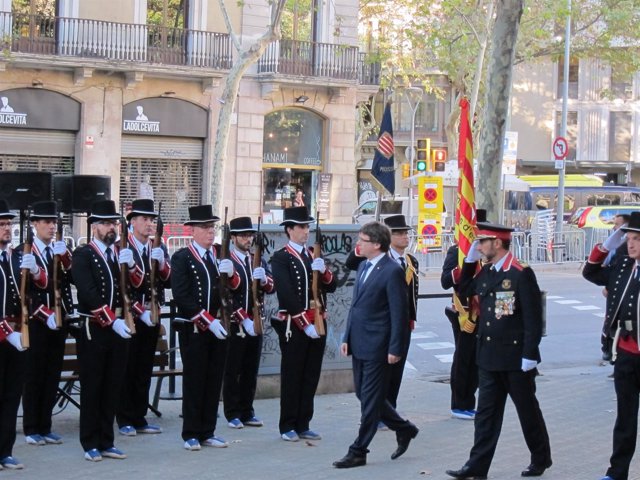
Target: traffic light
(438, 158)
(423, 152)
(406, 170)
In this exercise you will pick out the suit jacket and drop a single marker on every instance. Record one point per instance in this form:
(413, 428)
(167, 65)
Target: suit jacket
(353, 262)
(510, 323)
(376, 322)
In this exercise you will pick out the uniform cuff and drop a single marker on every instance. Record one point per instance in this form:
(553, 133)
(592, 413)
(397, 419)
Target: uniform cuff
(104, 315)
(202, 320)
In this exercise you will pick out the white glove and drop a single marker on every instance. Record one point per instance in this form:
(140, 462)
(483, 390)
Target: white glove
(15, 339)
(59, 248)
(247, 324)
(126, 256)
(614, 240)
(474, 255)
(318, 264)
(158, 255)
(51, 322)
(120, 327)
(310, 330)
(29, 261)
(528, 364)
(226, 266)
(145, 318)
(217, 329)
(260, 274)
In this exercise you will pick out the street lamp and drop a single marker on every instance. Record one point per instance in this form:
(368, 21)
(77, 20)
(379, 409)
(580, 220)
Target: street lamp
(414, 97)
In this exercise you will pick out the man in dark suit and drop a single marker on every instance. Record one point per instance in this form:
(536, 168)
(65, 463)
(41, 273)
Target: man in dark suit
(46, 353)
(509, 333)
(195, 283)
(621, 280)
(134, 398)
(103, 341)
(245, 343)
(301, 347)
(376, 337)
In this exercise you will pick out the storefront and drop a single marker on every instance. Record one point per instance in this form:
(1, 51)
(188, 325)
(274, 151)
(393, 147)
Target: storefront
(293, 152)
(38, 130)
(162, 156)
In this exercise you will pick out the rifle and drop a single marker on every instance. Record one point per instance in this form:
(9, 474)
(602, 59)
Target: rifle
(256, 290)
(124, 278)
(315, 280)
(25, 278)
(157, 242)
(225, 293)
(57, 292)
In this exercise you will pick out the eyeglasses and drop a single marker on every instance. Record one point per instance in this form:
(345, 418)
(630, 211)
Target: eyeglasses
(362, 240)
(5, 224)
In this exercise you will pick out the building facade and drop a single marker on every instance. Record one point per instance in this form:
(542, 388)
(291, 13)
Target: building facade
(132, 91)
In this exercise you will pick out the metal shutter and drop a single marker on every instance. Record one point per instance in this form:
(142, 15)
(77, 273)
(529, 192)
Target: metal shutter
(48, 143)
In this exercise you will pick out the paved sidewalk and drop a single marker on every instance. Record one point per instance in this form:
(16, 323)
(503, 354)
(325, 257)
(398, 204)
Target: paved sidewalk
(578, 404)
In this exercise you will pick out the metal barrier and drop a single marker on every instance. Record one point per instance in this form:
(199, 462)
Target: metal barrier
(567, 246)
(595, 236)
(176, 243)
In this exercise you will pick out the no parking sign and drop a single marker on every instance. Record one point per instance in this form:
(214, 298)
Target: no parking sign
(430, 203)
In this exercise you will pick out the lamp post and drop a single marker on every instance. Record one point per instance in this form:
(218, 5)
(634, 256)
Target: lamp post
(414, 97)
(563, 125)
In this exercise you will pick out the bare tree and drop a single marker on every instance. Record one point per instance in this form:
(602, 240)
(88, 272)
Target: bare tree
(247, 56)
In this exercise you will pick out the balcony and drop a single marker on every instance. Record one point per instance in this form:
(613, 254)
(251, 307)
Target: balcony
(125, 42)
(320, 60)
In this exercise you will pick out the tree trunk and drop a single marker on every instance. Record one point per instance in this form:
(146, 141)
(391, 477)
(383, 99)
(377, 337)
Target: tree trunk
(505, 34)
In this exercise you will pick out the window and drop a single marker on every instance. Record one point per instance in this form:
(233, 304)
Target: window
(573, 77)
(426, 115)
(621, 84)
(300, 20)
(572, 131)
(167, 13)
(620, 136)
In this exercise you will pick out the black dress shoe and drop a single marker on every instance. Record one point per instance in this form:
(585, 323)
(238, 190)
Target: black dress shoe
(534, 470)
(351, 460)
(465, 473)
(403, 438)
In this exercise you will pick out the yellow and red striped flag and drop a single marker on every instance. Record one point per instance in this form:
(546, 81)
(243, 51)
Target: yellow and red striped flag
(465, 210)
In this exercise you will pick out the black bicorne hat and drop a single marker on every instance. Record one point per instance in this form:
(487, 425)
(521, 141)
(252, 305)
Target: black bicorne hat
(296, 216)
(4, 210)
(201, 214)
(241, 225)
(634, 223)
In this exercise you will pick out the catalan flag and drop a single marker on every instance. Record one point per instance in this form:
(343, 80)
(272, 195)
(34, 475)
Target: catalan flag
(383, 169)
(465, 211)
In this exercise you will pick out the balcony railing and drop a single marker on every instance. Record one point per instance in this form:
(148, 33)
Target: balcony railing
(311, 59)
(368, 71)
(77, 37)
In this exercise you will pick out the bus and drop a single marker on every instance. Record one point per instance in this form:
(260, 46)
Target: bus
(579, 191)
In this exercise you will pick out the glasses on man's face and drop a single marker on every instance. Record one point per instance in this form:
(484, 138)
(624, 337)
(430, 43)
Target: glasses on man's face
(5, 224)
(363, 240)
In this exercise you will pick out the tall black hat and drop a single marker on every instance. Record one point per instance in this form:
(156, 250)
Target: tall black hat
(4, 210)
(296, 216)
(142, 206)
(396, 222)
(241, 225)
(46, 209)
(201, 214)
(103, 210)
(634, 223)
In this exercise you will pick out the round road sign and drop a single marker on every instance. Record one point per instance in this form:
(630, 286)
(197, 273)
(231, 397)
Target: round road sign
(429, 229)
(560, 148)
(430, 194)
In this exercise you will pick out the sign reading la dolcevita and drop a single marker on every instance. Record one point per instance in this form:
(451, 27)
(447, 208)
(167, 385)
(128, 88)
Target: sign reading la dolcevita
(141, 123)
(8, 116)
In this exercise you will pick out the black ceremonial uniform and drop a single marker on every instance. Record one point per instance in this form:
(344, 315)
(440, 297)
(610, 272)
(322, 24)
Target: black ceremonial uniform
(46, 353)
(622, 314)
(11, 360)
(195, 287)
(509, 329)
(464, 372)
(301, 361)
(243, 357)
(101, 351)
(134, 399)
